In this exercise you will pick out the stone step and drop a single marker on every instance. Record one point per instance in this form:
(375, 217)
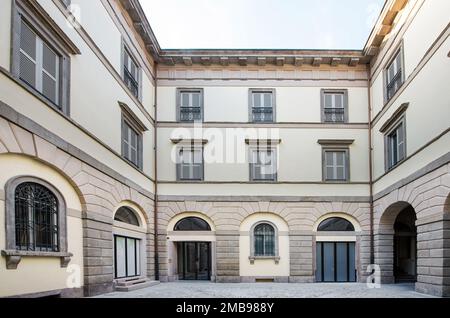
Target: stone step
(138, 286)
(131, 281)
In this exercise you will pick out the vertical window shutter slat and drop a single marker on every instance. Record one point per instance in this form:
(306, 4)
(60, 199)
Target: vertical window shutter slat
(328, 101)
(124, 139)
(257, 100)
(267, 100)
(140, 151)
(28, 40)
(27, 65)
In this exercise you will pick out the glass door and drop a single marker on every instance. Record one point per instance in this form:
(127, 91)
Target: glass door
(335, 262)
(126, 257)
(194, 260)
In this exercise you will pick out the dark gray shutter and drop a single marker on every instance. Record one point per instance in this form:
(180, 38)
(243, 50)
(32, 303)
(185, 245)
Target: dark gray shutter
(27, 68)
(49, 73)
(140, 152)
(124, 138)
(401, 142)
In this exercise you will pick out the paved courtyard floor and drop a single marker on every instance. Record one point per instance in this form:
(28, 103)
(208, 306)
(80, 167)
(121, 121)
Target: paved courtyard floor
(268, 290)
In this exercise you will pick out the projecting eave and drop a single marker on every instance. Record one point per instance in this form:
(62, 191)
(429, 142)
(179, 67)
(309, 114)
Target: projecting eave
(142, 26)
(383, 26)
(262, 57)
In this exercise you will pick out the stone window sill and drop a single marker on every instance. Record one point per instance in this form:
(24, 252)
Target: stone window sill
(13, 257)
(257, 258)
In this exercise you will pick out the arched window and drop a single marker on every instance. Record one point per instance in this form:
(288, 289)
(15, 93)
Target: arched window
(36, 218)
(126, 215)
(336, 224)
(192, 224)
(264, 240)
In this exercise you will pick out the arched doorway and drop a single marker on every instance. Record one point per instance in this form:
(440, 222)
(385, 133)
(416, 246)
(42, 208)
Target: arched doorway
(193, 257)
(405, 246)
(336, 251)
(129, 244)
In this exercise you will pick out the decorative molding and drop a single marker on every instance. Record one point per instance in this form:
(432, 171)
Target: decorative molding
(177, 141)
(265, 142)
(13, 257)
(256, 258)
(249, 198)
(335, 142)
(397, 114)
(52, 26)
(127, 111)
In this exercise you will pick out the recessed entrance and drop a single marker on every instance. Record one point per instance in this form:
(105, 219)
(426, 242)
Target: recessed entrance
(335, 257)
(405, 242)
(336, 262)
(194, 260)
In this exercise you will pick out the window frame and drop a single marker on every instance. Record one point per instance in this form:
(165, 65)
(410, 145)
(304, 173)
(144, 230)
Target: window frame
(190, 147)
(336, 148)
(276, 255)
(252, 91)
(399, 50)
(257, 148)
(14, 255)
(48, 36)
(179, 91)
(387, 135)
(126, 49)
(323, 93)
(128, 121)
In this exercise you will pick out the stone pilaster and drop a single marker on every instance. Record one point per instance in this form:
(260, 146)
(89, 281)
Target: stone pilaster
(363, 251)
(98, 256)
(433, 257)
(227, 257)
(384, 255)
(301, 254)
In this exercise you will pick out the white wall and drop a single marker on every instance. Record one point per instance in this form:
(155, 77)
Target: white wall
(428, 114)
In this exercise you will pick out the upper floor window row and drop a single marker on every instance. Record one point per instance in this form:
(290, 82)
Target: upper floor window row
(262, 105)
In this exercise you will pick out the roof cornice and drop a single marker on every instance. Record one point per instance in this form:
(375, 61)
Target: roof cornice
(383, 26)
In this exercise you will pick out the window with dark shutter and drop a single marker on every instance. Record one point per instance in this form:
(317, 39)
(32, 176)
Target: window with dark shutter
(396, 150)
(131, 144)
(394, 75)
(131, 73)
(39, 64)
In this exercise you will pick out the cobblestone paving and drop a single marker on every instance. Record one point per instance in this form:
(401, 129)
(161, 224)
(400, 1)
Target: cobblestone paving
(267, 290)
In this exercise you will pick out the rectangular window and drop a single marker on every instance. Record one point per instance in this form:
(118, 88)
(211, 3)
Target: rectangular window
(131, 144)
(336, 165)
(394, 75)
(263, 165)
(334, 106)
(190, 104)
(262, 106)
(190, 164)
(39, 65)
(395, 145)
(131, 73)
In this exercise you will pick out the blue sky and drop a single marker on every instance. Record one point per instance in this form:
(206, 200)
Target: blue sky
(277, 24)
